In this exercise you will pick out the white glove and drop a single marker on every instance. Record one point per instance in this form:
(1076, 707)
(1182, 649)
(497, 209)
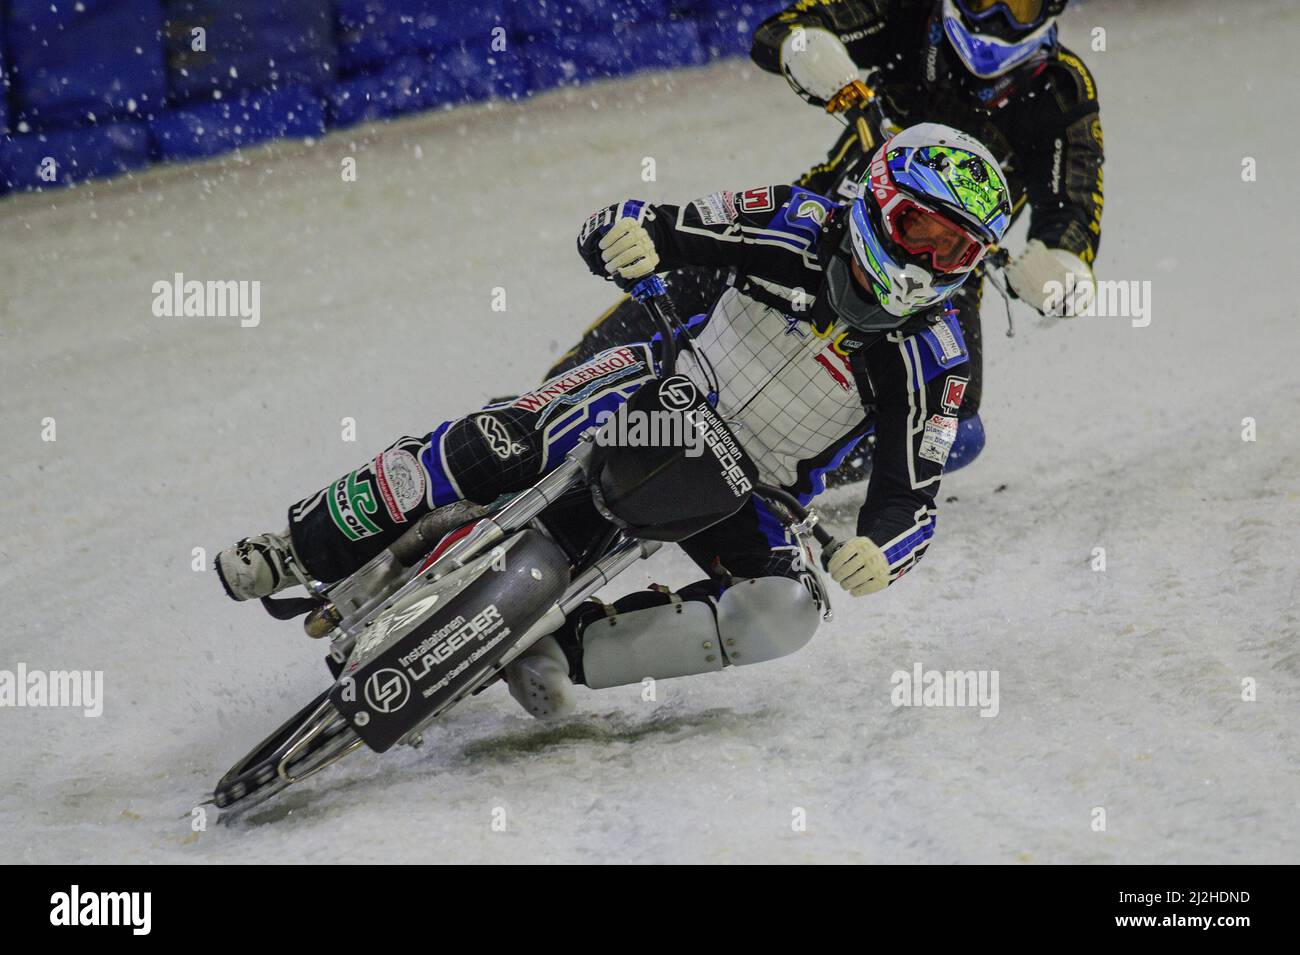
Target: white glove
(816, 63)
(1053, 281)
(859, 566)
(627, 250)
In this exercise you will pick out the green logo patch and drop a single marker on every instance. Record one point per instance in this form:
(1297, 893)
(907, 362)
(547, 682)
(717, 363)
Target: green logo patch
(352, 501)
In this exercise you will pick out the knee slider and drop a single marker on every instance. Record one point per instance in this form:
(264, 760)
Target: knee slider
(756, 620)
(491, 452)
(765, 618)
(675, 639)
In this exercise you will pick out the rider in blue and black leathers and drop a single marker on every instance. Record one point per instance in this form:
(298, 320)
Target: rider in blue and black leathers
(833, 320)
(995, 70)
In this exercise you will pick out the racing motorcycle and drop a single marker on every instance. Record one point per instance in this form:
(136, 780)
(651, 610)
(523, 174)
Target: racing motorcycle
(438, 615)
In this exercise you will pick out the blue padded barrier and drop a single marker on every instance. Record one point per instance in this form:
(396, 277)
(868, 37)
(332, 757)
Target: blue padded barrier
(374, 32)
(568, 59)
(727, 29)
(4, 83)
(247, 44)
(556, 17)
(104, 85)
(193, 132)
(84, 62)
(71, 155)
(408, 84)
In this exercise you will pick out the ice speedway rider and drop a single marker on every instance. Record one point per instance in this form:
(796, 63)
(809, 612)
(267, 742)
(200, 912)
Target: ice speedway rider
(836, 318)
(992, 68)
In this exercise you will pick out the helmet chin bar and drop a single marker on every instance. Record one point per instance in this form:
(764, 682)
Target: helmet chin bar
(916, 284)
(849, 303)
(912, 290)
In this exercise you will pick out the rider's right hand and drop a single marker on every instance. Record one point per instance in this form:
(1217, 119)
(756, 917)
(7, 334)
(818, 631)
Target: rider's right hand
(627, 250)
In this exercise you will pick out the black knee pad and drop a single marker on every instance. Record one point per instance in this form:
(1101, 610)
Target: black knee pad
(489, 453)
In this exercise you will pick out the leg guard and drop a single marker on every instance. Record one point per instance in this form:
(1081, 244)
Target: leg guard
(339, 528)
(753, 621)
(765, 618)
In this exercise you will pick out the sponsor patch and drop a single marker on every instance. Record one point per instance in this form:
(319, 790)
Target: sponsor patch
(948, 346)
(717, 208)
(954, 390)
(936, 442)
(401, 482)
(942, 338)
(498, 437)
(850, 186)
(758, 199)
(574, 386)
(352, 502)
(811, 209)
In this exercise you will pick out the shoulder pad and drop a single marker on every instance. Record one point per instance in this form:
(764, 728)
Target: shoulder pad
(1066, 64)
(806, 212)
(944, 344)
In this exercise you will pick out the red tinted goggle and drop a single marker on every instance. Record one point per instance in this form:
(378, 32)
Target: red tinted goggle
(923, 231)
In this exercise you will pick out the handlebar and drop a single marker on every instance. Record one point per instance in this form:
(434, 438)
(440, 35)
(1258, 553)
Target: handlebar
(784, 499)
(653, 295)
(998, 258)
(858, 106)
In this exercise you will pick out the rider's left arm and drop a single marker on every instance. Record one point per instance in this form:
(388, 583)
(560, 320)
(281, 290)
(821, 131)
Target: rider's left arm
(915, 425)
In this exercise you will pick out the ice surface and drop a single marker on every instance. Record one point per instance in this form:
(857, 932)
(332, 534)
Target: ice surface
(1119, 689)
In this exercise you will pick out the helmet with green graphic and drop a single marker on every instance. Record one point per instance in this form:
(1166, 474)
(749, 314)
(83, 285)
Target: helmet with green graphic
(931, 205)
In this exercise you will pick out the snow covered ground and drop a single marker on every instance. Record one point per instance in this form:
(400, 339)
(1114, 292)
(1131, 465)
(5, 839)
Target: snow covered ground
(1119, 689)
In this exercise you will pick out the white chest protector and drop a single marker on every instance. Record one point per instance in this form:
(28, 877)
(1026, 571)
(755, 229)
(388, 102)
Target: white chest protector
(787, 394)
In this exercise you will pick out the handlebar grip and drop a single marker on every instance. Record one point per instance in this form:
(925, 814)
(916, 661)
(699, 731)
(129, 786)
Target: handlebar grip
(652, 286)
(829, 547)
(652, 293)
